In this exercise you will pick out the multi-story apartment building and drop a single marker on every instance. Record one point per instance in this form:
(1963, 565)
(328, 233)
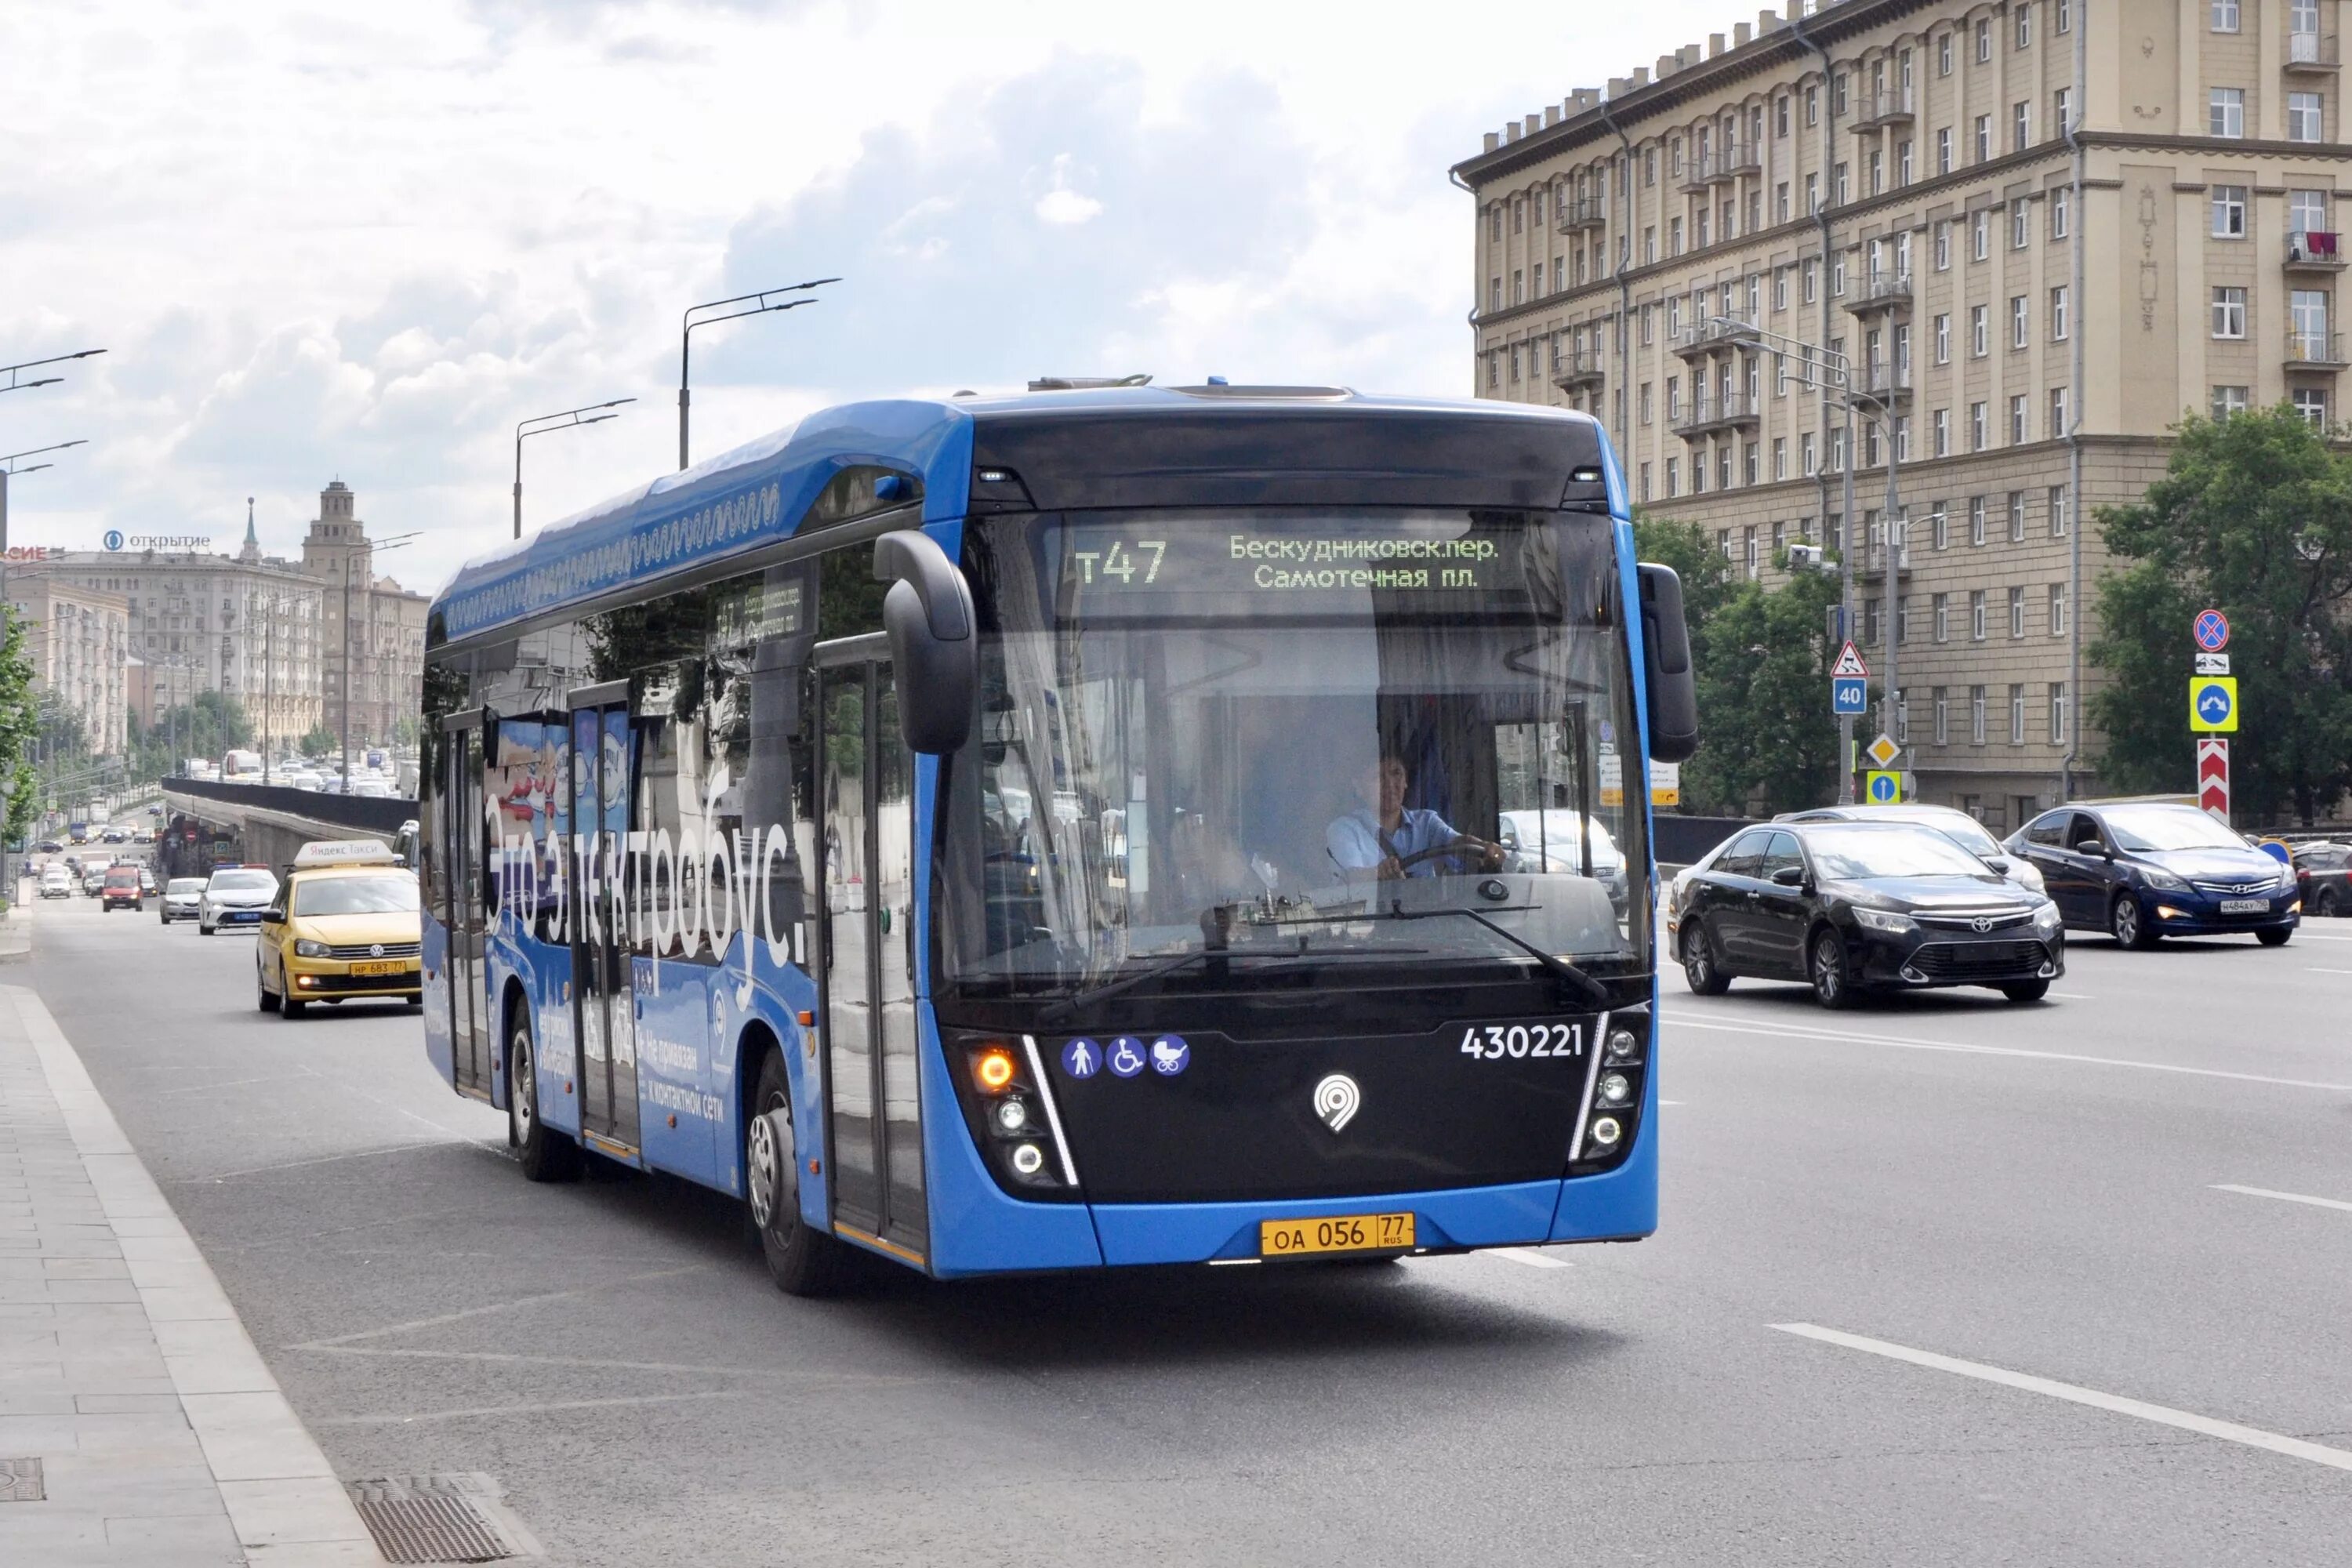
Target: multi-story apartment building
(78, 641)
(374, 639)
(2038, 230)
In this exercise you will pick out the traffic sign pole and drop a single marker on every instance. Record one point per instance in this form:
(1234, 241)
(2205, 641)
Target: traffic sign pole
(2213, 776)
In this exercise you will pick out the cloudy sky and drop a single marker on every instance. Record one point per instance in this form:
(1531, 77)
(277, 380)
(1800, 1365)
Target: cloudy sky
(362, 240)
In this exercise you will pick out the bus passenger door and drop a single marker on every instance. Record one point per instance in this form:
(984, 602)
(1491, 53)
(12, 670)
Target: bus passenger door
(603, 752)
(470, 1046)
(866, 798)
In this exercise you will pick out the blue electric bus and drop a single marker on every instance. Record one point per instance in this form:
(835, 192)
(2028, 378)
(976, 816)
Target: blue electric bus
(1139, 825)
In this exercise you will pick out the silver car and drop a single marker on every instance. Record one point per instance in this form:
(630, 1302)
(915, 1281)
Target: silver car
(181, 896)
(235, 896)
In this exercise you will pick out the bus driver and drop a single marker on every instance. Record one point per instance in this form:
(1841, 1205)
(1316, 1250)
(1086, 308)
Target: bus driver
(1385, 838)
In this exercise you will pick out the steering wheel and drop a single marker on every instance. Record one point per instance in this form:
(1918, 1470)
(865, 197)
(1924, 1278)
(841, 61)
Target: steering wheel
(1461, 844)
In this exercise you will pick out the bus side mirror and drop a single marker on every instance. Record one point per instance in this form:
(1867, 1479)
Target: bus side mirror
(934, 640)
(1668, 680)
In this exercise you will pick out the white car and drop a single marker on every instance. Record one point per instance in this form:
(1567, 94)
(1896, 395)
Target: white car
(235, 896)
(56, 882)
(181, 897)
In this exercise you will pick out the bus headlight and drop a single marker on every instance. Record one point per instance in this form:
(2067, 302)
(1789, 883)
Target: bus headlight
(1012, 1115)
(1028, 1159)
(1605, 1132)
(1625, 1046)
(1616, 1088)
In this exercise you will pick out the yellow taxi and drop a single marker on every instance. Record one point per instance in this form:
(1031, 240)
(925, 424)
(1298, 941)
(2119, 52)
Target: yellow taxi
(345, 923)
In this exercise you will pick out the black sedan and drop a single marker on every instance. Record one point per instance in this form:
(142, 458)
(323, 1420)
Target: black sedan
(2323, 877)
(2143, 869)
(1854, 907)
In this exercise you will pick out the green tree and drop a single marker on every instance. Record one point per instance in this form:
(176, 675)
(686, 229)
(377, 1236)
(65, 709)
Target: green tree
(1686, 547)
(20, 730)
(2253, 517)
(318, 742)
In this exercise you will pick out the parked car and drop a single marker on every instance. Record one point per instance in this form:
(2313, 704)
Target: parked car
(1555, 840)
(51, 847)
(1956, 826)
(1856, 907)
(2140, 870)
(2323, 877)
(181, 896)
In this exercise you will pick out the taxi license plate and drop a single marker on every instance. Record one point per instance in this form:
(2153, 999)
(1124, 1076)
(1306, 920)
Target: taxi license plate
(1339, 1233)
(368, 969)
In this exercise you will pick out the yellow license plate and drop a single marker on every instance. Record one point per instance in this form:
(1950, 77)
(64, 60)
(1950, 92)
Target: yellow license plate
(375, 969)
(1339, 1233)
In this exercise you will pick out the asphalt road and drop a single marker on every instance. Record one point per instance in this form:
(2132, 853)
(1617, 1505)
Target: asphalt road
(2036, 1194)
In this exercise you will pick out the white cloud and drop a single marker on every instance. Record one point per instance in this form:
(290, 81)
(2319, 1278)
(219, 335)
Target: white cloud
(326, 240)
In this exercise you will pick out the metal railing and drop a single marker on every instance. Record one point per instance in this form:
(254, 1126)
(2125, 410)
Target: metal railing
(1731, 162)
(2314, 51)
(1576, 367)
(1882, 378)
(2320, 348)
(1716, 332)
(1881, 290)
(1883, 108)
(2315, 247)
(1707, 410)
(1583, 211)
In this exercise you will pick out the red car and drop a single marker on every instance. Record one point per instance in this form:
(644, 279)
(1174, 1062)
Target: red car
(121, 888)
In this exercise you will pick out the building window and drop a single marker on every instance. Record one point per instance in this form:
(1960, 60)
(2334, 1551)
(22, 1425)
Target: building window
(1674, 477)
(1646, 405)
(1977, 518)
(1810, 277)
(2058, 314)
(1495, 294)
(1779, 460)
(1494, 369)
(1518, 287)
(2020, 125)
(2017, 609)
(2229, 212)
(2229, 312)
(1780, 203)
(2225, 16)
(1903, 163)
(1980, 234)
(1943, 717)
(1939, 533)
(2017, 517)
(2016, 715)
(1844, 189)
(1940, 609)
(2057, 609)
(1943, 55)
(1943, 151)
(1805, 459)
(2017, 420)
(1943, 428)
(1780, 288)
(1943, 248)
(1984, 39)
(2065, 19)
(1980, 330)
(1645, 481)
(1977, 715)
(1518, 216)
(1780, 115)
(2311, 402)
(1837, 275)
(1984, 138)
(2306, 212)
(2057, 712)
(2225, 111)
(2058, 423)
(2021, 224)
(1977, 430)
(1494, 222)
(2024, 27)
(2017, 320)
(2057, 512)
(2303, 117)
(1813, 105)
(1649, 325)
(1813, 194)
(2061, 111)
(1944, 338)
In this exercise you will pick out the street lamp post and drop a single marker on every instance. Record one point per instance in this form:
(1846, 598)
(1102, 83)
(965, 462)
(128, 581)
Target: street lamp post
(547, 422)
(754, 305)
(1835, 371)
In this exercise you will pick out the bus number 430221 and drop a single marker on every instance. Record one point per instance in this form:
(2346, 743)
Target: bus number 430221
(1492, 1042)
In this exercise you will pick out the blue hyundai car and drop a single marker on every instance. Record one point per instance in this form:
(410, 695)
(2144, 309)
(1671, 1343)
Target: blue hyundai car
(2140, 870)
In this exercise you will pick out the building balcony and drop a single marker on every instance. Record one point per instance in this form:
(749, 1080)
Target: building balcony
(1714, 334)
(1720, 411)
(2320, 351)
(1874, 110)
(2315, 251)
(1730, 162)
(1578, 368)
(2311, 53)
(1882, 380)
(1882, 291)
(1583, 213)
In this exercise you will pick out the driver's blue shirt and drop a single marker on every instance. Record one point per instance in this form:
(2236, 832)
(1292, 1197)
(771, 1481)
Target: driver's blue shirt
(1355, 840)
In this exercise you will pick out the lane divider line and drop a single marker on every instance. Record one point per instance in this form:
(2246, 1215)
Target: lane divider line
(2313, 970)
(1814, 1032)
(2162, 1414)
(1528, 1255)
(2284, 1197)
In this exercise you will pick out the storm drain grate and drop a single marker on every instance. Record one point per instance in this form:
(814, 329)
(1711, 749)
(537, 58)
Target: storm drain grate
(438, 1519)
(20, 1480)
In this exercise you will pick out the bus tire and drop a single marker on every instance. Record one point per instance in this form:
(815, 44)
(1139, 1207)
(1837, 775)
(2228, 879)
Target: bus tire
(802, 1261)
(544, 1153)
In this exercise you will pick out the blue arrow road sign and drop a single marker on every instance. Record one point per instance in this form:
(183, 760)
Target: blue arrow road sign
(1884, 789)
(1849, 694)
(2213, 704)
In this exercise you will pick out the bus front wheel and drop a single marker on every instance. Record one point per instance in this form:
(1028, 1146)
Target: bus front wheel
(545, 1154)
(802, 1261)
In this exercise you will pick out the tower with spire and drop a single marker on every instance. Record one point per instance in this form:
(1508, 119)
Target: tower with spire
(252, 551)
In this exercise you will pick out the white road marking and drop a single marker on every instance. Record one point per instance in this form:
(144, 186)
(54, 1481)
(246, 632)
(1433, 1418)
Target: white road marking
(547, 1408)
(2284, 1197)
(2307, 935)
(1673, 1103)
(2308, 969)
(2187, 1421)
(1814, 1032)
(1530, 1256)
(2073, 995)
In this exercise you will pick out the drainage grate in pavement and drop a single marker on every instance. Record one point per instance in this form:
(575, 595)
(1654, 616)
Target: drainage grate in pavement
(20, 1480)
(440, 1519)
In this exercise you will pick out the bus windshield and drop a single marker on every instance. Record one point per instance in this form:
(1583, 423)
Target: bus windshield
(1288, 736)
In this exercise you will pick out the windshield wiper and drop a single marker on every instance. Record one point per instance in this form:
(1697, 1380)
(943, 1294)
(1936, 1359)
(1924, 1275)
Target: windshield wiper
(1069, 1006)
(1592, 989)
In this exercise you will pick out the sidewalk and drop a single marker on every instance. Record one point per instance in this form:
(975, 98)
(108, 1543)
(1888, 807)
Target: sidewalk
(139, 1426)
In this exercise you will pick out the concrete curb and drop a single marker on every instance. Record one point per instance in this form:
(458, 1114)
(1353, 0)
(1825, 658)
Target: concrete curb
(17, 930)
(283, 1498)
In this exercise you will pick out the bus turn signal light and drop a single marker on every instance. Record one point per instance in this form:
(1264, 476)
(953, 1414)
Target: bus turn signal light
(993, 1069)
